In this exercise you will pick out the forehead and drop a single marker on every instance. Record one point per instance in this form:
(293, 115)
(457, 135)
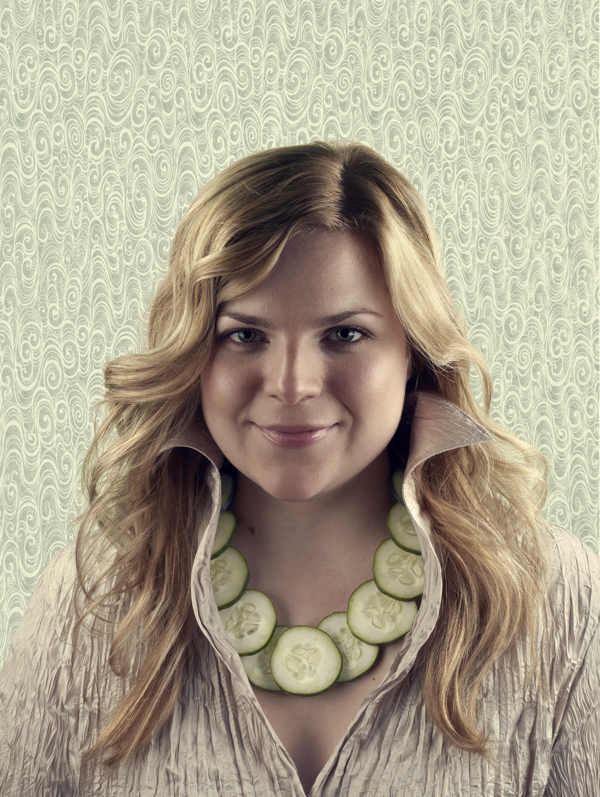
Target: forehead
(320, 269)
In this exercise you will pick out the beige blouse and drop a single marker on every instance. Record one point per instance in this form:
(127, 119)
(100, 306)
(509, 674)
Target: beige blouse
(219, 742)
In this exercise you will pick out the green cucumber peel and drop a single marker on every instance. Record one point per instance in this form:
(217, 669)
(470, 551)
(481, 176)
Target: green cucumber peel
(396, 482)
(226, 528)
(357, 657)
(376, 618)
(250, 622)
(228, 485)
(402, 530)
(305, 661)
(398, 573)
(229, 575)
(258, 665)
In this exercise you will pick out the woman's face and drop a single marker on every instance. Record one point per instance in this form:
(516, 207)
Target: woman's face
(280, 359)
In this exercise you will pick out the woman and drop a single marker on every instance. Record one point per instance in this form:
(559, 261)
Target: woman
(303, 350)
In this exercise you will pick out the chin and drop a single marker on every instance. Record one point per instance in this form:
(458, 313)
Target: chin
(293, 496)
(293, 486)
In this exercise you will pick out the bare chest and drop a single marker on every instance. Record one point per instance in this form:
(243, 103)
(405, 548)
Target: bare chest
(310, 728)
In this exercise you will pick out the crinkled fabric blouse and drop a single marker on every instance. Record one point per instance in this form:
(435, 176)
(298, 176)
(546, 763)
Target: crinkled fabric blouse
(219, 743)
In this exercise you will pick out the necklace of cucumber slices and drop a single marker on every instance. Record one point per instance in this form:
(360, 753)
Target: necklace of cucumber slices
(303, 660)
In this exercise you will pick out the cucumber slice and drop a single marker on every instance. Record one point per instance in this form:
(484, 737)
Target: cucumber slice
(227, 490)
(305, 661)
(229, 574)
(401, 529)
(357, 656)
(377, 619)
(396, 483)
(258, 666)
(226, 526)
(250, 623)
(397, 572)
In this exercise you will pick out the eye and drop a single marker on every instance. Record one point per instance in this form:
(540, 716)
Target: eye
(344, 335)
(350, 335)
(245, 336)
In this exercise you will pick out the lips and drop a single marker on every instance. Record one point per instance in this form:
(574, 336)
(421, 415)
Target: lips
(298, 436)
(293, 429)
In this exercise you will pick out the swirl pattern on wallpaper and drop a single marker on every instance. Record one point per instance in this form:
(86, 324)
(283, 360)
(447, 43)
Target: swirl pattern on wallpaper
(113, 114)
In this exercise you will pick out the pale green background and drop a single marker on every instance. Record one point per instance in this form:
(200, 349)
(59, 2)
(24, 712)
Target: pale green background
(113, 115)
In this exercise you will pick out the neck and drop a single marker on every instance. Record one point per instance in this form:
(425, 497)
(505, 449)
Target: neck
(351, 516)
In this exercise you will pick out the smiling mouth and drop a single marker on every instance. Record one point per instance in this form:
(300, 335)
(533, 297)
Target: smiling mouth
(299, 437)
(294, 429)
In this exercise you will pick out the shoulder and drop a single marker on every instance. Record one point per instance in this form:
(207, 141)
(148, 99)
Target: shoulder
(59, 578)
(51, 606)
(39, 647)
(55, 586)
(54, 607)
(573, 591)
(44, 656)
(574, 566)
(59, 575)
(572, 664)
(45, 688)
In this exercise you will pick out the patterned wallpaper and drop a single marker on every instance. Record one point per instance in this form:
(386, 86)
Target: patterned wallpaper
(114, 114)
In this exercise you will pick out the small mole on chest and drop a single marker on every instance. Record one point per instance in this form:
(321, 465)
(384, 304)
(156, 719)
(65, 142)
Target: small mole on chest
(252, 530)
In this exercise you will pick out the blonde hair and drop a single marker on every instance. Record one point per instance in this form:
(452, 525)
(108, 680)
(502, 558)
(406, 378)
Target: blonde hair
(484, 500)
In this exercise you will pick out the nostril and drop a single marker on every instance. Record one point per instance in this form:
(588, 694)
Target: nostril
(292, 382)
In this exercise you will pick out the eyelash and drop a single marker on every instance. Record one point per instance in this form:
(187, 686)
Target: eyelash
(227, 336)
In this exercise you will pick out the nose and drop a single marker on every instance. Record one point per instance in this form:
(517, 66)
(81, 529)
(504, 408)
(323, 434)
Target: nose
(292, 372)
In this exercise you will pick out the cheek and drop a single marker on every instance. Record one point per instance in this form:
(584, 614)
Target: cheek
(225, 388)
(372, 382)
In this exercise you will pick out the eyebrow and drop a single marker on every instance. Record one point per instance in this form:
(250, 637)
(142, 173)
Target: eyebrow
(328, 320)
